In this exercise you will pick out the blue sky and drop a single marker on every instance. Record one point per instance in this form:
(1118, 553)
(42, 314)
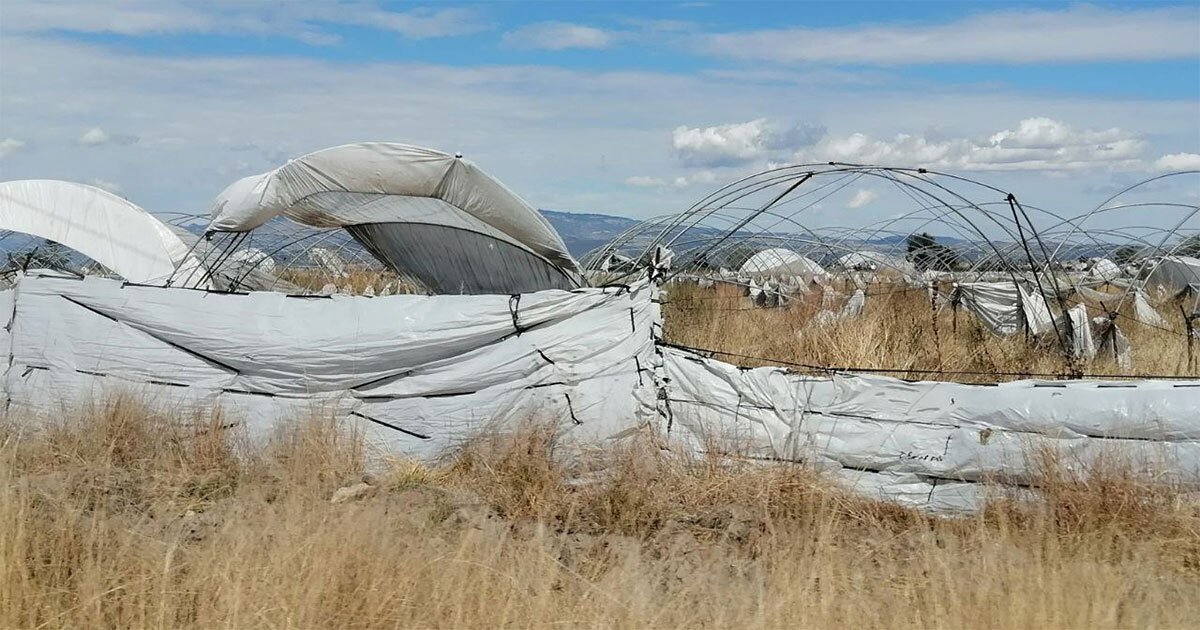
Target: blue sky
(628, 108)
(648, 36)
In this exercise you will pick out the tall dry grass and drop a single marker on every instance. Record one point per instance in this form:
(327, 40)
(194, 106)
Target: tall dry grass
(125, 517)
(899, 330)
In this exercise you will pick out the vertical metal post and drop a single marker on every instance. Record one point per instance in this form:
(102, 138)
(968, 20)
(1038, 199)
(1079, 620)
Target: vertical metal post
(1189, 323)
(937, 339)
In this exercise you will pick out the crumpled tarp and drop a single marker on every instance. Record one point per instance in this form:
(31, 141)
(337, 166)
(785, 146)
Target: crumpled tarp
(1006, 308)
(391, 183)
(930, 444)
(419, 372)
(1144, 312)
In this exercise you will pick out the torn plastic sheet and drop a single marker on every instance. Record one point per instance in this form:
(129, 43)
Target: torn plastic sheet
(1006, 308)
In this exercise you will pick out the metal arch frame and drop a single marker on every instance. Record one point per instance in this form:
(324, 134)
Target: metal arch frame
(710, 227)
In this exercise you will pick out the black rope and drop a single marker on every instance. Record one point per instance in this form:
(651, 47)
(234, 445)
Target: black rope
(831, 369)
(514, 305)
(571, 409)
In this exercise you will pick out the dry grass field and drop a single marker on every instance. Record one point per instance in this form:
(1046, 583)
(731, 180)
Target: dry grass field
(897, 330)
(123, 517)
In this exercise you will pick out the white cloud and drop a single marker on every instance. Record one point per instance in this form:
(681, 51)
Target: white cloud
(739, 143)
(559, 36)
(1079, 33)
(862, 197)
(1178, 162)
(8, 146)
(680, 181)
(298, 20)
(418, 23)
(642, 181)
(111, 187)
(93, 137)
(1040, 144)
(578, 133)
(702, 177)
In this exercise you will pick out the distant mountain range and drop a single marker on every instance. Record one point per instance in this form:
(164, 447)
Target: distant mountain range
(582, 232)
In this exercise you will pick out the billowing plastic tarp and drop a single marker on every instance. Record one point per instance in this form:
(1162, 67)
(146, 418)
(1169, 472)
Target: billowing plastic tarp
(875, 261)
(928, 443)
(1173, 274)
(104, 227)
(419, 372)
(780, 262)
(995, 304)
(1006, 308)
(380, 183)
(1104, 269)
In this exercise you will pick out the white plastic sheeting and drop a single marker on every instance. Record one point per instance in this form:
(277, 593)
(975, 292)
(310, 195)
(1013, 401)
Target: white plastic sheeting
(252, 257)
(1173, 274)
(929, 444)
(1102, 297)
(851, 309)
(419, 372)
(1006, 308)
(426, 186)
(1103, 269)
(1114, 343)
(104, 227)
(780, 262)
(875, 261)
(1083, 345)
(1144, 312)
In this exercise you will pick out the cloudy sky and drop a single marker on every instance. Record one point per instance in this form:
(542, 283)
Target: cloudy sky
(627, 108)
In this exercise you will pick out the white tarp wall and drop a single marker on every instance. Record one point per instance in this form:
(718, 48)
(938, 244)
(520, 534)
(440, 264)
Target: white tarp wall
(929, 443)
(421, 373)
(417, 372)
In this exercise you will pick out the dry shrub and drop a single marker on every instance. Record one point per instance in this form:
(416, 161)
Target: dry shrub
(1108, 505)
(314, 453)
(124, 431)
(516, 470)
(519, 530)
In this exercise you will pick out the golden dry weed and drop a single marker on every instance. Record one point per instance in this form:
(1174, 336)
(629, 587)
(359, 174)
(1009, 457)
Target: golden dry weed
(124, 517)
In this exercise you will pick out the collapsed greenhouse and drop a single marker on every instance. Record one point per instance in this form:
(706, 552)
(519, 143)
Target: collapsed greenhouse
(288, 299)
